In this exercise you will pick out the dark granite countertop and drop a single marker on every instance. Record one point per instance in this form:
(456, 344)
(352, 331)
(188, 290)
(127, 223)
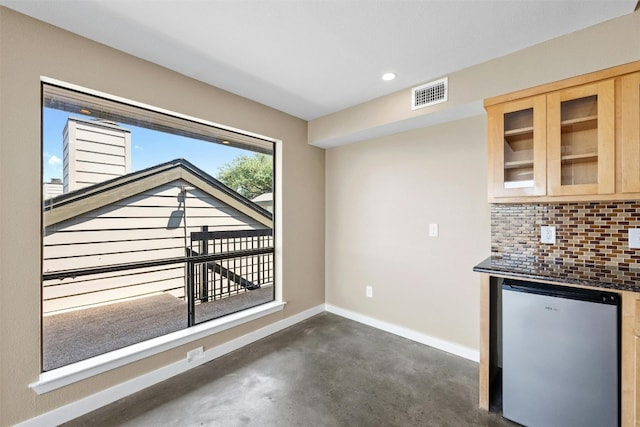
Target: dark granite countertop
(599, 276)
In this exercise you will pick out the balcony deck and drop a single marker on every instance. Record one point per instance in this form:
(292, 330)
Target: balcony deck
(77, 335)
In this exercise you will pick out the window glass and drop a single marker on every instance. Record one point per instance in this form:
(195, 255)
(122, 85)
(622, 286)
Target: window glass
(152, 222)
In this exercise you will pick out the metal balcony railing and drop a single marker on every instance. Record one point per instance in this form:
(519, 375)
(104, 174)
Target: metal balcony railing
(217, 264)
(219, 273)
(221, 264)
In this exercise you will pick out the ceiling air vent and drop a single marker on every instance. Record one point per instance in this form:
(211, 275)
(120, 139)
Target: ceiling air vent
(429, 93)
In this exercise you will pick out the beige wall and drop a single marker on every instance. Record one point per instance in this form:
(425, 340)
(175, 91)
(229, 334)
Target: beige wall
(383, 193)
(30, 49)
(381, 197)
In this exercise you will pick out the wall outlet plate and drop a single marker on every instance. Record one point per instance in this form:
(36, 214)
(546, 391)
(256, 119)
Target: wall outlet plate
(433, 230)
(369, 291)
(194, 354)
(548, 234)
(634, 238)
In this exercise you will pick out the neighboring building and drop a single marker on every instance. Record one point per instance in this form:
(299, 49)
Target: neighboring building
(265, 201)
(94, 151)
(52, 188)
(140, 216)
(102, 214)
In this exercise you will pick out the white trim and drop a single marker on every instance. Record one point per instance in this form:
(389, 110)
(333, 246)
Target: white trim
(100, 399)
(105, 397)
(131, 102)
(277, 219)
(79, 371)
(69, 374)
(440, 344)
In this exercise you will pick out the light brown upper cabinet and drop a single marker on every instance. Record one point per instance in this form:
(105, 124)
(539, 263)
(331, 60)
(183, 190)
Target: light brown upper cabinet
(573, 140)
(517, 147)
(630, 133)
(581, 140)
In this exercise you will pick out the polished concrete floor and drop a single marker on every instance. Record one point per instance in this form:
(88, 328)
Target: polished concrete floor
(325, 371)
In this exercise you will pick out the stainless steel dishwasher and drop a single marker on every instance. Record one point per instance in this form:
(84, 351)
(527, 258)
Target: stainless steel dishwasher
(560, 355)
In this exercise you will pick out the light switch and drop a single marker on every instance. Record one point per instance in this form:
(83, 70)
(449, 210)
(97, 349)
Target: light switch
(634, 238)
(433, 230)
(548, 234)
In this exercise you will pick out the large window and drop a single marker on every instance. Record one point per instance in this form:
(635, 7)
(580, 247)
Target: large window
(152, 222)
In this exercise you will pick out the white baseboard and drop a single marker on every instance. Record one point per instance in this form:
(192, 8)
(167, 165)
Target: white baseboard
(440, 344)
(98, 400)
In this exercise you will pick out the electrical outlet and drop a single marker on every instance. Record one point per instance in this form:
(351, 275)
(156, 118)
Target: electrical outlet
(548, 234)
(433, 230)
(634, 238)
(194, 354)
(369, 291)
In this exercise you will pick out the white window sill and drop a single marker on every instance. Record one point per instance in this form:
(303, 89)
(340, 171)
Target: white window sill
(79, 371)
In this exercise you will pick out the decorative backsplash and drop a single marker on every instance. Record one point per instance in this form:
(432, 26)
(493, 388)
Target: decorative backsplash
(587, 233)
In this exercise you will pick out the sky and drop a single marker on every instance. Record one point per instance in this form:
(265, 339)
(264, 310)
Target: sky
(148, 147)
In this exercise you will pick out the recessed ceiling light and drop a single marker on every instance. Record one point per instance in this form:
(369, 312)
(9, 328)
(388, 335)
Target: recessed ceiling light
(85, 112)
(388, 76)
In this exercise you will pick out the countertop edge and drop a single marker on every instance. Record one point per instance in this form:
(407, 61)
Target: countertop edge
(486, 268)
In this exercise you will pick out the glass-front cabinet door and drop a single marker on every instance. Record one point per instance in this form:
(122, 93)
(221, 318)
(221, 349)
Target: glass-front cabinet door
(630, 161)
(581, 140)
(517, 150)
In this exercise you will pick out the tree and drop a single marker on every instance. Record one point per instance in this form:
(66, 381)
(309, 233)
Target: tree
(248, 175)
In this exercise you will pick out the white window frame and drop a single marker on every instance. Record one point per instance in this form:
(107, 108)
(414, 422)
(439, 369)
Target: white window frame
(75, 372)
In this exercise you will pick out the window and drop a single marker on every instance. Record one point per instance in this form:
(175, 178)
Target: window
(142, 233)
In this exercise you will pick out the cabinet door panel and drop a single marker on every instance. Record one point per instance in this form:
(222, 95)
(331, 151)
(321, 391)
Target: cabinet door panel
(517, 148)
(630, 137)
(580, 140)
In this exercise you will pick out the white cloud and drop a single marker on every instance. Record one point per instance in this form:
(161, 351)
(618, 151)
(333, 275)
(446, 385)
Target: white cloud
(54, 160)
(138, 147)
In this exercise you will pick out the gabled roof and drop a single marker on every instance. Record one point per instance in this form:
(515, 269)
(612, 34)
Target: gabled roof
(265, 197)
(78, 202)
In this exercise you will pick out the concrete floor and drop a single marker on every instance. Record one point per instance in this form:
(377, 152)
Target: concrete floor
(325, 371)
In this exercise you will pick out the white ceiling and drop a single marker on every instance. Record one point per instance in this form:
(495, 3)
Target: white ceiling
(310, 58)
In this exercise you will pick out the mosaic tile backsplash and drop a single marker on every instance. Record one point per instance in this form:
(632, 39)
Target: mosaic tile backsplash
(592, 234)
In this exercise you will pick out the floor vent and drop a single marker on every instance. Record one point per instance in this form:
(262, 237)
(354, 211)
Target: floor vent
(431, 93)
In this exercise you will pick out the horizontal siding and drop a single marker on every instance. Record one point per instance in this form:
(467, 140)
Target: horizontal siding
(162, 277)
(82, 249)
(102, 223)
(65, 237)
(145, 227)
(107, 295)
(89, 178)
(97, 157)
(101, 260)
(172, 190)
(117, 278)
(51, 190)
(101, 135)
(165, 212)
(87, 167)
(114, 150)
(99, 154)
